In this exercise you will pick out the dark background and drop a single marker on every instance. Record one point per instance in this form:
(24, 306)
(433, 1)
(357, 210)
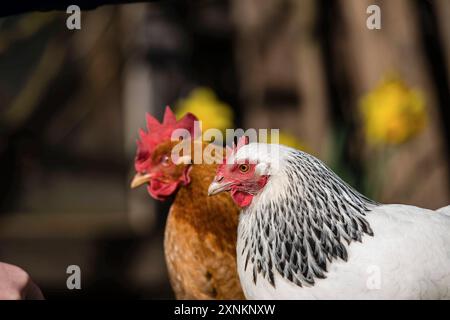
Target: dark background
(71, 103)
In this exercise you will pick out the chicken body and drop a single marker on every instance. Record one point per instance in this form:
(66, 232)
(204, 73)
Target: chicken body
(407, 258)
(308, 235)
(200, 234)
(200, 241)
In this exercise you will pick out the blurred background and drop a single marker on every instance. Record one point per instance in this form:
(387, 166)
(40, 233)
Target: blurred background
(373, 104)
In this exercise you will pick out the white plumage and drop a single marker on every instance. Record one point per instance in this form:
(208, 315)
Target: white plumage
(292, 237)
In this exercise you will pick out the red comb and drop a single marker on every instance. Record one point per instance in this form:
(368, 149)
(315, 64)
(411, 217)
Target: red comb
(159, 132)
(241, 142)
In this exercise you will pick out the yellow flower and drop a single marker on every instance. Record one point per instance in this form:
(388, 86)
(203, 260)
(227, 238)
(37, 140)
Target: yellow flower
(392, 113)
(205, 105)
(289, 140)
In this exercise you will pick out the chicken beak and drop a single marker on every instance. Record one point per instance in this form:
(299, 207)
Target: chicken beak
(218, 187)
(140, 179)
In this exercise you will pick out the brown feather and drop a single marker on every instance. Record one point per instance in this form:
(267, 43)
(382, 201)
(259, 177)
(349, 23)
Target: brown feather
(200, 241)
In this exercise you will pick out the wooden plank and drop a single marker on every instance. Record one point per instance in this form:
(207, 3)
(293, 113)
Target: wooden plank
(281, 69)
(20, 226)
(443, 13)
(418, 170)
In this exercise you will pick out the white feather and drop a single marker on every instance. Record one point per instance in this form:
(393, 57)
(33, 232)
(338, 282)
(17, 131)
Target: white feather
(407, 258)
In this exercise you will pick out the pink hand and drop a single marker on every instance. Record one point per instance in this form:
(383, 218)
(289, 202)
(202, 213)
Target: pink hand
(16, 284)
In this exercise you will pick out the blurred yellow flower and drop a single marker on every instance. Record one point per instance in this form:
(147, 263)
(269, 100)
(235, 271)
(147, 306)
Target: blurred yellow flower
(289, 140)
(392, 113)
(205, 105)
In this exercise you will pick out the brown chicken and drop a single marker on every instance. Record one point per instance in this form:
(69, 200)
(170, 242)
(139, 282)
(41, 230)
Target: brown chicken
(200, 235)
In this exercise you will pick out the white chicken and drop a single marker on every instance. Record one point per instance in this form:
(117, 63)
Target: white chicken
(306, 234)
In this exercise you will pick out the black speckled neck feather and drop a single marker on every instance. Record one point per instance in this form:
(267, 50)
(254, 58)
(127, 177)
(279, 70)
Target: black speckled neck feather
(300, 231)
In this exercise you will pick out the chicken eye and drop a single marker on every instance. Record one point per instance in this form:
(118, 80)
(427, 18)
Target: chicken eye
(244, 168)
(165, 160)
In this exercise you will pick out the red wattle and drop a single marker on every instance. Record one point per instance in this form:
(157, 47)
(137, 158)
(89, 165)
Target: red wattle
(242, 199)
(160, 190)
